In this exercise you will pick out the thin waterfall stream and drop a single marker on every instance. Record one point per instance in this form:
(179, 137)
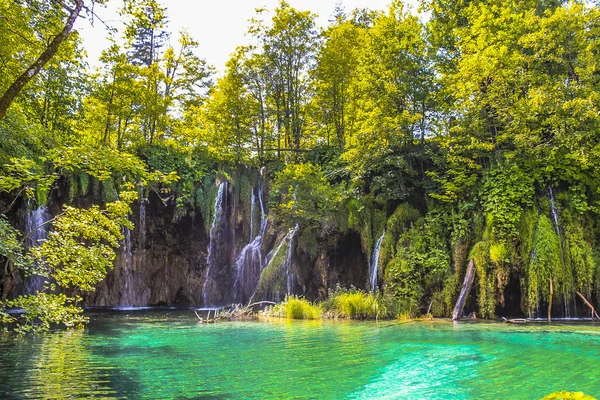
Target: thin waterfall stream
(215, 242)
(37, 229)
(374, 264)
(559, 232)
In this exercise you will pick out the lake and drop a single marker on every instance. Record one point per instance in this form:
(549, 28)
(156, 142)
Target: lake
(167, 354)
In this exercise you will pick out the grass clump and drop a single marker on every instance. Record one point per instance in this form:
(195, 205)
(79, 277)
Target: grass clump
(294, 307)
(568, 396)
(354, 304)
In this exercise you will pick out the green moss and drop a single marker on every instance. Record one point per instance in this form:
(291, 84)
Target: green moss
(420, 265)
(366, 217)
(401, 221)
(527, 228)
(486, 284)
(580, 257)
(84, 182)
(205, 198)
(108, 191)
(73, 187)
(546, 264)
(271, 281)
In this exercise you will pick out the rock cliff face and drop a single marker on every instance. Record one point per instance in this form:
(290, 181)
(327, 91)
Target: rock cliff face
(165, 259)
(168, 268)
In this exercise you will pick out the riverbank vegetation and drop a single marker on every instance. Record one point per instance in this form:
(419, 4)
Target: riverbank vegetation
(473, 134)
(341, 303)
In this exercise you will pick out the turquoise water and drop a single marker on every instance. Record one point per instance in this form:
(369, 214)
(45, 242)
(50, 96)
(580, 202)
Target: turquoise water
(168, 355)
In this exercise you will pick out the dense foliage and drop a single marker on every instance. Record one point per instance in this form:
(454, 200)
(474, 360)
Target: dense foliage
(474, 134)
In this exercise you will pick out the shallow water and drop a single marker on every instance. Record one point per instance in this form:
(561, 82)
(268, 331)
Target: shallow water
(166, 354)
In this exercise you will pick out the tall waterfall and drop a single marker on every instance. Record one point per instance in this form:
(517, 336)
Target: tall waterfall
(128, 291)
(374, 264)
(249, 263)
(290, 276)
(37, 229)
(217, 235)
(252, 202)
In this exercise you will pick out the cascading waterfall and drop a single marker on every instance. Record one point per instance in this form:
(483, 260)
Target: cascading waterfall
(37, 229)
(374, 264)
(290, 276)
(216, 236)
(249, 263)
(279, 267)
(248, 267)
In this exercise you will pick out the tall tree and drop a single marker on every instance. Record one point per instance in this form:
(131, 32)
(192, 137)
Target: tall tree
(289, 47)
(337, 63)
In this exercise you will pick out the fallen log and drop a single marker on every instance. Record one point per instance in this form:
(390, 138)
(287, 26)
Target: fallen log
(515, 321)
(594, 313)
(464, 292)
(260, 302)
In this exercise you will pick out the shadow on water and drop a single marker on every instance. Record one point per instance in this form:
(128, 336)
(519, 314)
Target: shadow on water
(55, 364)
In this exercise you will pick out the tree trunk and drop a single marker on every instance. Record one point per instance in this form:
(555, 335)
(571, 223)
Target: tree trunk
(594, 313)
(464, 292)
(18, 85)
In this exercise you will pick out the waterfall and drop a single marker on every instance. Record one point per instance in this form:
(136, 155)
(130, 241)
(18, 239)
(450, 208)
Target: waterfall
(142, 224)
(374, 264)
(128, 293)
(248, 267)
(37, 229)
(263, 217)
(555, 220)
(252, 201)
(278, 267)
(127, 297)
(217, 229)
(554, 210)
(290, 277)
(249, 263)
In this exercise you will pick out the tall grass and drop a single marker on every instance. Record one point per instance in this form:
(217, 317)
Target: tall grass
(294, 307)
(353, 304)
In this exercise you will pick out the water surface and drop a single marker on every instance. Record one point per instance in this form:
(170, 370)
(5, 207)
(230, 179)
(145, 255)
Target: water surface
(148, 354)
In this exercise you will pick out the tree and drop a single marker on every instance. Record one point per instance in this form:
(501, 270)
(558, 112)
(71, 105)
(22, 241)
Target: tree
(73, 10)
(392, 88)
(227, 115)
(337, 63)
(289, 46)
(145, 31)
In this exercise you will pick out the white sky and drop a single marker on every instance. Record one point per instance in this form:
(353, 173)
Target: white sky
(219, 25)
